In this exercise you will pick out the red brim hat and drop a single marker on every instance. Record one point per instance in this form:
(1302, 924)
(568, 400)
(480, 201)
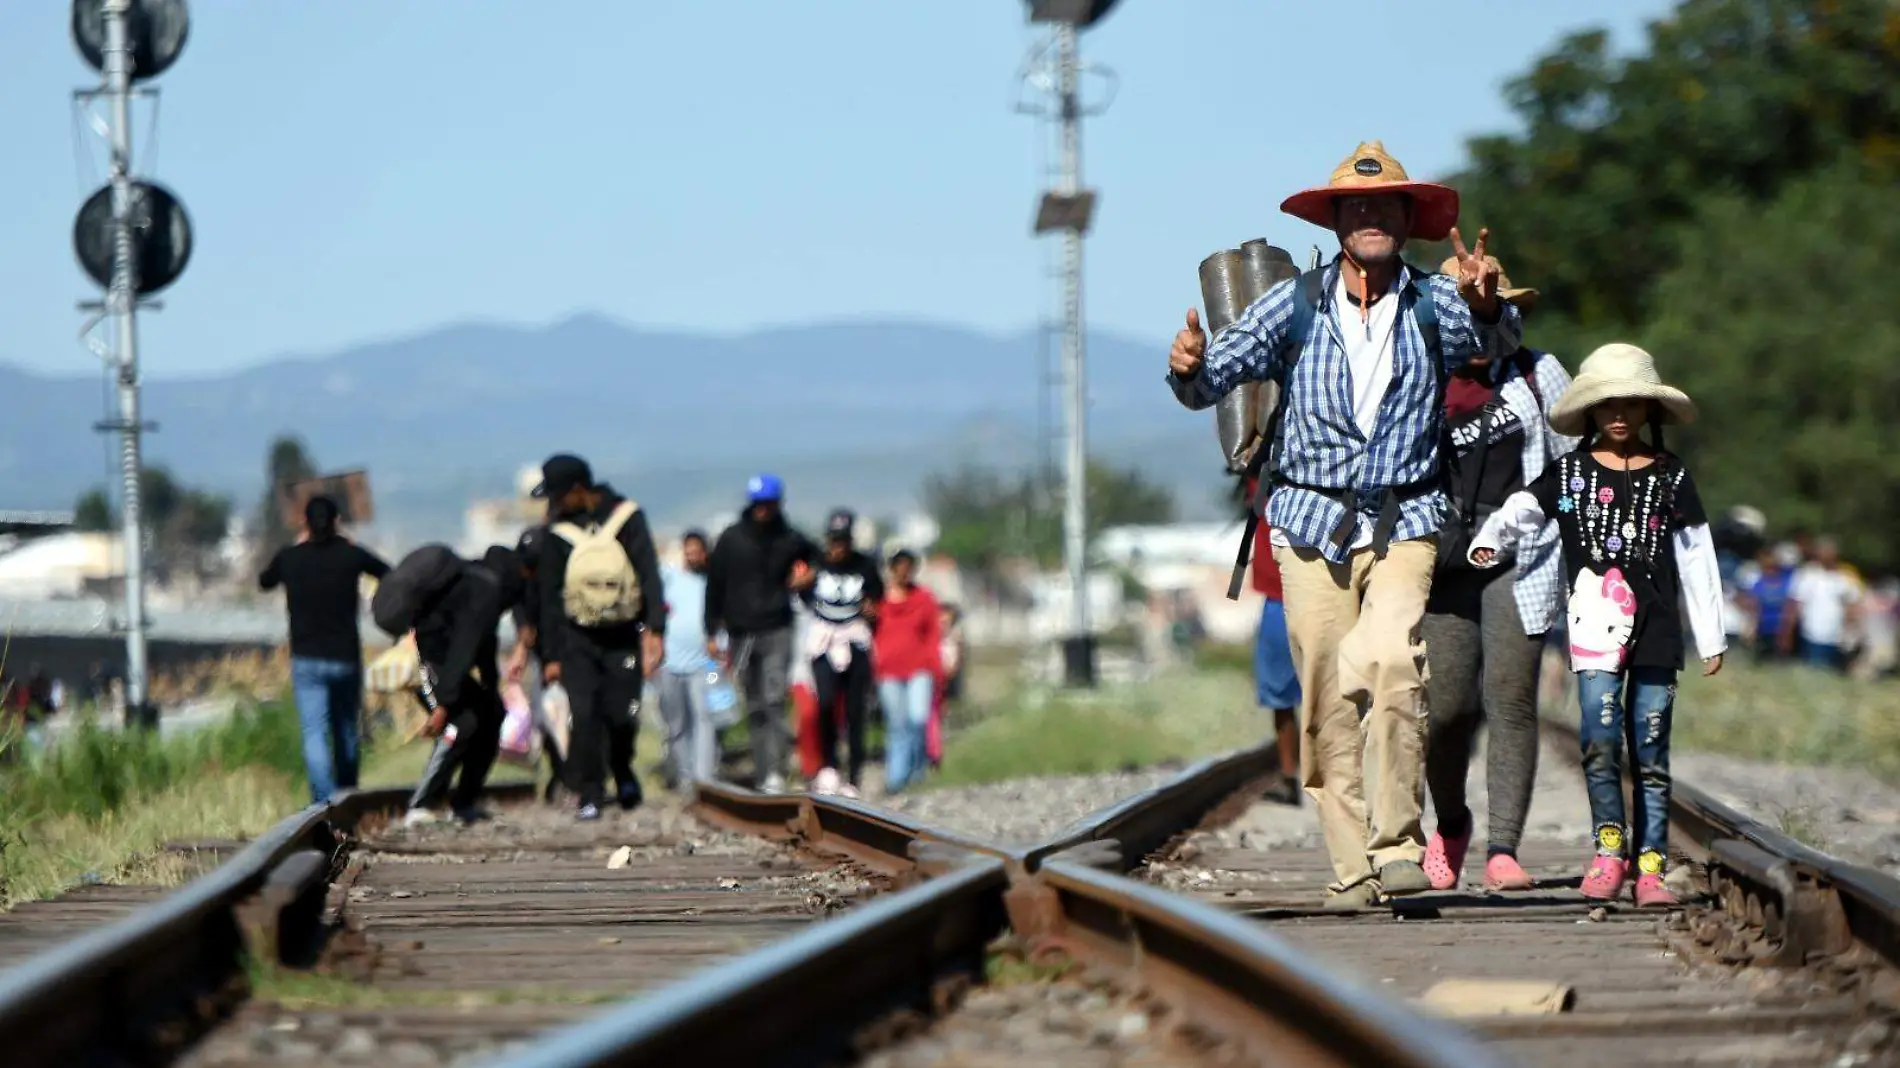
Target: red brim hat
(1371, 170)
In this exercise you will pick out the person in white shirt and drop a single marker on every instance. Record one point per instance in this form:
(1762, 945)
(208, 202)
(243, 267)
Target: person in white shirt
(1825, 599)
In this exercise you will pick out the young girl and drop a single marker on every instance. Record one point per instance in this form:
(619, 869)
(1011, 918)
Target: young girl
(1636, 543)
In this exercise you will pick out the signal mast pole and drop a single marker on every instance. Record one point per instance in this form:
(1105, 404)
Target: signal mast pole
(122, 305)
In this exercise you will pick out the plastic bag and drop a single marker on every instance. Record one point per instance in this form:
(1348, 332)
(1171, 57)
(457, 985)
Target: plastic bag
(722, 702)
(520, 742)
(556, 714)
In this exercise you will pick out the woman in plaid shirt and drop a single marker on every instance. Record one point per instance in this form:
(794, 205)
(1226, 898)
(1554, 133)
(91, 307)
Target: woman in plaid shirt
(1484, 629)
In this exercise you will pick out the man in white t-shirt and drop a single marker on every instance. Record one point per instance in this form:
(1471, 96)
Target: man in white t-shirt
(1362, 347)
(1824, 598)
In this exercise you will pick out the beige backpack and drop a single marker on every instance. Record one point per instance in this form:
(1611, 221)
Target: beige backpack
(601, 588)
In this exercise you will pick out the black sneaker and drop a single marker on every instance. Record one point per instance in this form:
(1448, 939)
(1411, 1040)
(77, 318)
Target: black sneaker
(631, 796)
(1284, 790)
(473, 814)
(587, 813)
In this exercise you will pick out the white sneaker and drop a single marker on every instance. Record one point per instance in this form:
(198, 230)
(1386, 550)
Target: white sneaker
(774, 784)
(419, 817)
(848, 790)
(826, 781)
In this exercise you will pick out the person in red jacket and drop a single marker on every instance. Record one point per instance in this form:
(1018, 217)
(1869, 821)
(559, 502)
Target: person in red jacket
(907, 657)
(1275, 680)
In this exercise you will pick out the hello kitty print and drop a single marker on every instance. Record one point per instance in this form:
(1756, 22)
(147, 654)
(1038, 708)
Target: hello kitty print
(1617, 531)
(1602, 620)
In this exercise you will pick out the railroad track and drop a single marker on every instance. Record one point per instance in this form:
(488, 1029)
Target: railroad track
(1184, 948)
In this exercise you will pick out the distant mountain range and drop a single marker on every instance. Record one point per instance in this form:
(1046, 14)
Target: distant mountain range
(855, 413)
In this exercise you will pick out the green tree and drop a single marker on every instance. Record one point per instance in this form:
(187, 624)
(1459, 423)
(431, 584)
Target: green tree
(94, 513)
(184, 526)
(1793, 356)
(1616, 156)
(985, 516)
(288, 461)
(1723, 196)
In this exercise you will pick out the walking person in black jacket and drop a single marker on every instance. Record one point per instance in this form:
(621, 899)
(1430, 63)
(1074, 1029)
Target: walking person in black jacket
(455, 613)
(320, 577)
(756, 565)
(603, 621)
(528, 645)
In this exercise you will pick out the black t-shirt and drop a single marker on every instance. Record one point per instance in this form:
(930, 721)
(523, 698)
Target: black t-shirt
(319, 580)
(1619, 558)
(839, 590)
(1496, 470)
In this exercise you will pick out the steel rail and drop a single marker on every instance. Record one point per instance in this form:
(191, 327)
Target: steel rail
(1802, 902)
(879, 839)
(132, 991)
(1141, 824)
(1233, 978)
(802, 998)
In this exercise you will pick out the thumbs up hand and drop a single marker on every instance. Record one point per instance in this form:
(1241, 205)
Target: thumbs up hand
(1184, 359)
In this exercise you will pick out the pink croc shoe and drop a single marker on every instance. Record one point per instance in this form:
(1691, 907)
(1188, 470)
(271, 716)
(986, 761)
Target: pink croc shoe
(1445, 858)
(1503, 872)
(1606, 877)
(1652, 894)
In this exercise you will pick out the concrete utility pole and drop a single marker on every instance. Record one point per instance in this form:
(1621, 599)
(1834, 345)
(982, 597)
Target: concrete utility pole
(1069, 209)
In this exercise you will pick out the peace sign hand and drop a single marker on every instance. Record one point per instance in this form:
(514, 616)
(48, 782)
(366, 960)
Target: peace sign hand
(1477, 274)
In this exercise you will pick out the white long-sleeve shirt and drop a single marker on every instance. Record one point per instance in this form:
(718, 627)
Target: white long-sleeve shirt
(1693, 547)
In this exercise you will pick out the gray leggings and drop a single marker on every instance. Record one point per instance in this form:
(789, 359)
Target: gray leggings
(1481, 669)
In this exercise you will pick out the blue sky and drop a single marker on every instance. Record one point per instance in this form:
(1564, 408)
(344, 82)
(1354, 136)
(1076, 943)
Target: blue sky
(359, 169)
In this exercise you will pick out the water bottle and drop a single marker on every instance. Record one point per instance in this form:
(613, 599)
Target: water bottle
(721, 701)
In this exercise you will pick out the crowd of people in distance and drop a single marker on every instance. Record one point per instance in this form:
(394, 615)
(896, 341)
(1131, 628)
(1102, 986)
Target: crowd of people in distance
(762, 616)
(1799, 601)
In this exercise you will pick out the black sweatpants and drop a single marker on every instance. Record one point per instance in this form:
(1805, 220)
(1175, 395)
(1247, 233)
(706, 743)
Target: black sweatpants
(854, 684)
(469, 742)
(604, 683)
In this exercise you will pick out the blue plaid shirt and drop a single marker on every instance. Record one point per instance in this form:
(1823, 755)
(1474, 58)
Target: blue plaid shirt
(1323, 445)
(1539, 589)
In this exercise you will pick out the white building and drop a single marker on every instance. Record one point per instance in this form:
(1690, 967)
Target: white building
(1194, 559)
(58, 566)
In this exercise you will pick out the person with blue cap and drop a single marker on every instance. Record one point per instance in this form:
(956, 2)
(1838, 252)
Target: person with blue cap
(756, 565)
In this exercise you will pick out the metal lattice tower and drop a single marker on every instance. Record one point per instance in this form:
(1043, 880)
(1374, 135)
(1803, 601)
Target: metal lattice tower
(1052, 75)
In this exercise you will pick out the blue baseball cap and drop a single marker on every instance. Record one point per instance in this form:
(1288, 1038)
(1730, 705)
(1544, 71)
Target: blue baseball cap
(764, 488)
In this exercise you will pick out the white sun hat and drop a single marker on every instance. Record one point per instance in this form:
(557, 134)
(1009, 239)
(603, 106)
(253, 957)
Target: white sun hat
(1613, 372)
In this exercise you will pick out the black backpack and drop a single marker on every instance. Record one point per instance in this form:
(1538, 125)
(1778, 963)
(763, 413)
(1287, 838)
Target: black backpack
(413, 585)
(1263, 468)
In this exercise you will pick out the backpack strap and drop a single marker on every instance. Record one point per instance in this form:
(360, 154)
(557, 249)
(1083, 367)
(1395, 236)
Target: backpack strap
(1526, 361)
(618, 519)
(1263, 468)
(1425, 310)
(573, 533)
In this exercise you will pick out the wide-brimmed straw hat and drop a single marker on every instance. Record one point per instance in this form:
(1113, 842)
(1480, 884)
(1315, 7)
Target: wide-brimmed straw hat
(1612, 372)
(1371, 170)
(1524, 298)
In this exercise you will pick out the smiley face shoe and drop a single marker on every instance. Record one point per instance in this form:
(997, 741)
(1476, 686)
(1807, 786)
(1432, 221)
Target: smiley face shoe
(1608, 870)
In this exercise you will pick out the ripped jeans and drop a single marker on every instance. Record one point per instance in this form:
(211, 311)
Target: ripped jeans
(1641, 718)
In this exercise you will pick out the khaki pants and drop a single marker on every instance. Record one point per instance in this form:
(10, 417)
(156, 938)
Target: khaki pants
(1354, 628)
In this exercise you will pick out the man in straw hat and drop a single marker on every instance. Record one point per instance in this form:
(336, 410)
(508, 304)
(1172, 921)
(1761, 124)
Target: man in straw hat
(1484, 629)
(1355, 503)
